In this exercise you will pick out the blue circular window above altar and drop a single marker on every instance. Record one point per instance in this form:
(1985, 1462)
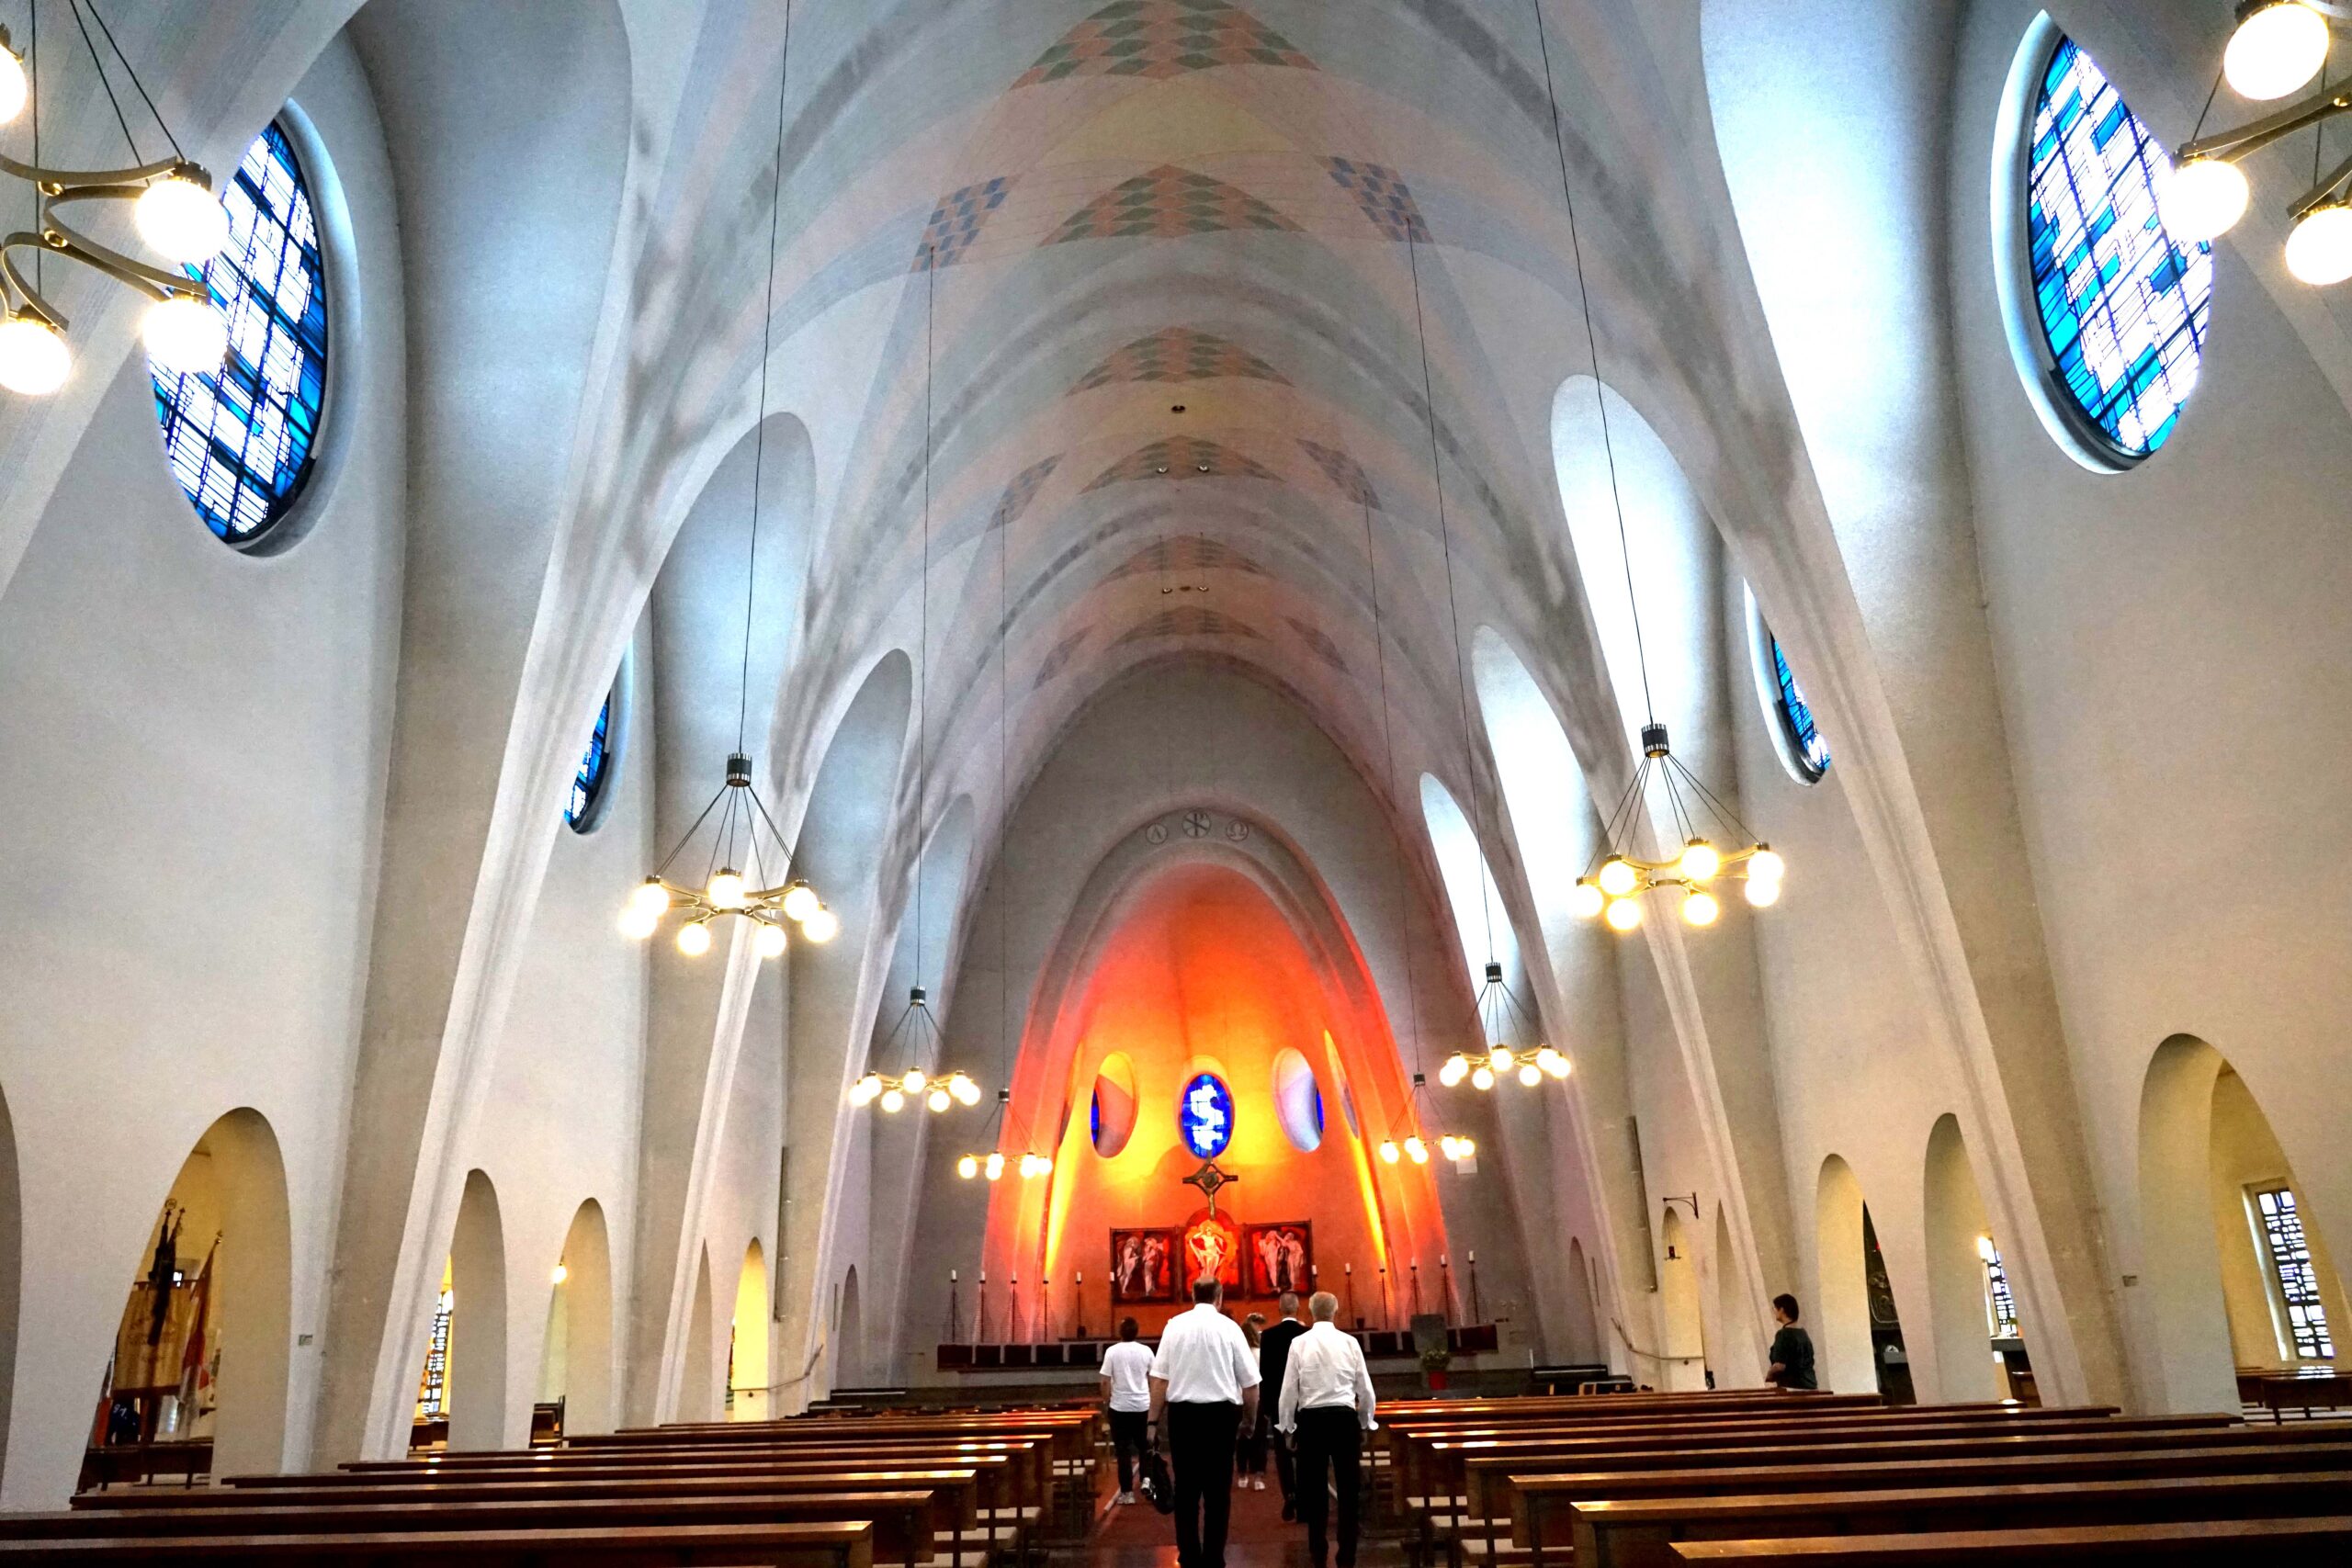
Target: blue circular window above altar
(1205, 1116)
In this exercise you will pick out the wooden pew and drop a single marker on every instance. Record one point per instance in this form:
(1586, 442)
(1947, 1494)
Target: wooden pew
(1543, 1505)
(1616, 1534)
(666, 1546)
(2275, 1543)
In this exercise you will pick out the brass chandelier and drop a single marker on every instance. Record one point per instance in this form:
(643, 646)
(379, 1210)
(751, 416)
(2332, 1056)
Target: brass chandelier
(2278, 47)
(936, 1090)
(744, 836)
(1498, 1008)
(173, 208)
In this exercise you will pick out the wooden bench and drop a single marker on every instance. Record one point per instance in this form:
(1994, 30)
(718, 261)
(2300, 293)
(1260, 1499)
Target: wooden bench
(2274, 1543)
(1618, 1534)
(134, 1462)
(667, 1546)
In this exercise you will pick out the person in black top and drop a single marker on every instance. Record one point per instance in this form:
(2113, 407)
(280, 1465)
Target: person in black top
(1273, 1361)
(1792, 1352)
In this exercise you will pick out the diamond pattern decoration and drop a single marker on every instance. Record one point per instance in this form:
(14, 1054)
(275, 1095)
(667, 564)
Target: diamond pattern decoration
(1179, 354)
(1186, 552)
(1343, 472)
(1021, 491)
(1166, 203)
(1158, 38)
(1321, 645)
(1182, 458)
(1188, 622)
(956, 221)
(1058, 658)
(1385, 196)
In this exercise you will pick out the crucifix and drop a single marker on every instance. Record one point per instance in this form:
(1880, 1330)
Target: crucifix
(1206, 1243)
(1210, 1178)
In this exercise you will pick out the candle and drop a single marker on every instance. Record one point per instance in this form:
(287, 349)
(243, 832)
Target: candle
(951, 1276)
(1474, 1255)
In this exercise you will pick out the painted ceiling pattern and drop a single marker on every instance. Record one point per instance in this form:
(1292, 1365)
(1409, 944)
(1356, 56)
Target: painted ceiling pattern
(955, 222)
(1165, 203)
(1185, 552)
(1182, 458)
(1384, 196)
(1318, 643)
(1057, 657)
(1158, 38)
(1345, 474)
(1189, 622)
(1179, 354)
(1023, 490)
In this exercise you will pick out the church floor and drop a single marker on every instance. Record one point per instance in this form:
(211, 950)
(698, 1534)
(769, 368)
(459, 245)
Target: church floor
(1139, 1536)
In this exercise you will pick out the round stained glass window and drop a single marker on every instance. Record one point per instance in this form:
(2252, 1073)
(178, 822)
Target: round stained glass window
(2122, 309)
(1205, 1115)
(240, 440)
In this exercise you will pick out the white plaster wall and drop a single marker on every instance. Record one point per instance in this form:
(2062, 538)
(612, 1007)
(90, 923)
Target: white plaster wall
(192, 755)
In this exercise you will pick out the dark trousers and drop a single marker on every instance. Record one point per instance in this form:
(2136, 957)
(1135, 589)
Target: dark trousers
(1130, 1430)
(1331, 1438)
(1286, 1468)
(1200, 1451)
(1249, 1449)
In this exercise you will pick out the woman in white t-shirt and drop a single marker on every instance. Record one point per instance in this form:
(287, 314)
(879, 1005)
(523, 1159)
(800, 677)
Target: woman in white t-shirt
(1126, 1388)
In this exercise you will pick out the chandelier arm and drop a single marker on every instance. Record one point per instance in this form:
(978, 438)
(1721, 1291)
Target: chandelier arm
(2255, 135)
(65, 240)
(689, 836)
(25, 239)
(2322, 190)
(60, 183)
(140, 87)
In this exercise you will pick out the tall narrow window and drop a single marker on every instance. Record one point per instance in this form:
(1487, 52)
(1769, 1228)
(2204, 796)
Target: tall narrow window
(432, 1388)
(585, 807)
(2292, 1272)
(2000, 1302)
(240, 440)
(1795, 736)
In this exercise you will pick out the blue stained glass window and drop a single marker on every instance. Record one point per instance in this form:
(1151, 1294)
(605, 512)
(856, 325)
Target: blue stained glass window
(1206, 1116)
(1804, 736)
(589, 779)
(240, 440)
(2123, 308)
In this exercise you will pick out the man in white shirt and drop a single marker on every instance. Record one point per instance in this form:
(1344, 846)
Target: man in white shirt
(1203, 1391)
(1327, 1404)
(1126, 1389)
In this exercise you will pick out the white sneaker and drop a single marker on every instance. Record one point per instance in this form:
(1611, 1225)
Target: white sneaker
(1125, 1498)
(1256, 1483)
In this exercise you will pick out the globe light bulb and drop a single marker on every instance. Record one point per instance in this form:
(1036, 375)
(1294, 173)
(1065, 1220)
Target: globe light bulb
(1530, 1074)
(14, 86)
(1625, 914)
(1456, 1068)
(1417, 1151)
(1765, 865)
(1700, 860)
(179, 216)
(893, 1100)
(938, 1099)
(1763, 895)
(183, 336)
(2319, 247)
(822, 926)
(1554, 1064)
(913, 1080)
(1701, 909)
(2275, 49)
(1586, 898)
(965, 1091)
(1044, 1165)
(2201, 197)
(994, 1165)
(561, 1274)
(1467, 1146)
(1389, 1152)
(693, 939)
(1498, 1058)
(726, 890)
(1445, 1145)
(637, 923)
(770, 941)
(967, 1167)
(34, 359)
(650, 897)
(1617, 876)
(1482, 1078)
(800, 901)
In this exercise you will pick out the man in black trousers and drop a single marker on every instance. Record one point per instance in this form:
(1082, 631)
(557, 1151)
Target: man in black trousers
(1273, 1358)
(1204, 1392)
(1327, 1402)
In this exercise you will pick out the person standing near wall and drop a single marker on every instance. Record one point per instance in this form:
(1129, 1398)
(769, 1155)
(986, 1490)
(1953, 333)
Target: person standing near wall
(1327, 1400)
(1126, 1389)
(1204, 1392)
(1274, 1359)
(1791, 1357)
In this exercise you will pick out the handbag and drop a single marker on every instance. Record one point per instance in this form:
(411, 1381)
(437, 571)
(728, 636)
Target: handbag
(1153, 1479)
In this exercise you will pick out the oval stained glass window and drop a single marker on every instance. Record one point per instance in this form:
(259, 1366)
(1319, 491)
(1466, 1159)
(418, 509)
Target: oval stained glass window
(241, 440)
(591, 782)
(2123, 310)
(1110, 1112)
(1298, 1100)
(1205, 1116)
(1795, 734)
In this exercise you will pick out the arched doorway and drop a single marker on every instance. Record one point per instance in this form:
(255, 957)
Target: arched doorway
(1979, 1345)
(462, 1388)
(1840, 1314)
(747, 1346)
(849, 1333)
(1683, 1350)
(201, 1353)
(2233, 1271)
(576, 1362)
(1583, 1348)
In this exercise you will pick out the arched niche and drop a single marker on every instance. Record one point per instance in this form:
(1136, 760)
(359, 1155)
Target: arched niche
(205, 1341)
(1682, 1346)
(1961, 1256)
(2214, 1269)
(1839, 1314)
(849, 1332)
(747, 1355)
(1583, 1316)
(477, 1308)
(698, 1375)
(576, 1361)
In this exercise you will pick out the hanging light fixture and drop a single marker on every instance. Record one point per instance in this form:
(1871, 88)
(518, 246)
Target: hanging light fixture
(1411, 1148)
(1616, 879)
(936, 1089)
(747, 873)
(1499, 1010)
(990, 1161)
(2278, 47)
(173, 208)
